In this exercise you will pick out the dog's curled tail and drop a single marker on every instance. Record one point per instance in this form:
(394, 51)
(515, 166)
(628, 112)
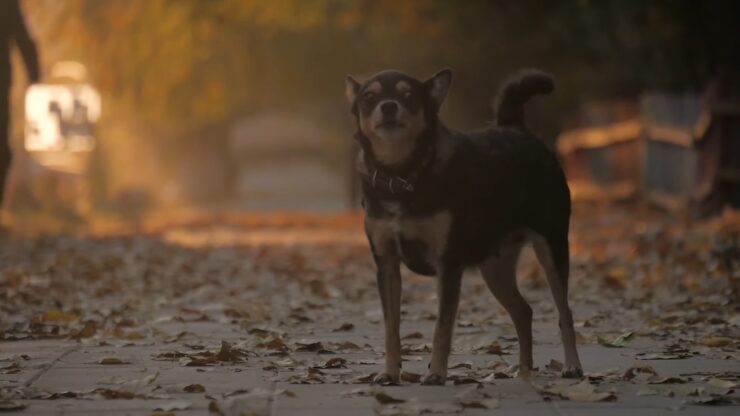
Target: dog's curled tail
(509, 107)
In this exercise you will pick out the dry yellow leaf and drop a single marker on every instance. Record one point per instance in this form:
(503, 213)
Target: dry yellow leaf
(716, 341)
(56, 315)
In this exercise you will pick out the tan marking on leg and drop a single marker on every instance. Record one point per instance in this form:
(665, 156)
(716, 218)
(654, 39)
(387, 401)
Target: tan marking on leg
(389, 287)
(500, 276)
(388, 263)
(560, 294)
(433, 231)
(448, 292)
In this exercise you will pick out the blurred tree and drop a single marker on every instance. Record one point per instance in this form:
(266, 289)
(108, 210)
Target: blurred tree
(189, 61)
(179, 66)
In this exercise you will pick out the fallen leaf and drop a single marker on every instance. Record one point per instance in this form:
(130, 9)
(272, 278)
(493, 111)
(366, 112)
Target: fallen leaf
(722, 384)
(201, 362)
(667, 380)
(413, 335)
(12, 368)
(259, 332)
(636, 371)
(344, 328)
(460, 380)
(194, 388)
(493, 348)
(581, 392)
(55, 315)
(228, 353)
(322, 290)
(214, 409)
(716, 341)
(713, 401)
(336, 362)
(310, 346)
(383, 398)
(554, 365)
(410, 349)
(410, 377)
(618, 342)
(283, 392)
(169, 407)
(418, 407)
(87, 331)
(661, 356)
(617, 277)
(276, 343)
(111, 361)
(11, 405)
(176, 337)
(362, 391)
(134, 335)
(114, 394)
(367, 378)
(346, 345)
(169, 355)
(581, 338)
(287, 363)
(610, 374)
(476, 398)
(480, 403)
(312, 376)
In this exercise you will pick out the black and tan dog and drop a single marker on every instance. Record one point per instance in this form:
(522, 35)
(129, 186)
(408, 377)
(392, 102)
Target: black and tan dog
(440, 201)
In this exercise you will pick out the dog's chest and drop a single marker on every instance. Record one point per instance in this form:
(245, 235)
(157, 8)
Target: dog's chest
(420, 241)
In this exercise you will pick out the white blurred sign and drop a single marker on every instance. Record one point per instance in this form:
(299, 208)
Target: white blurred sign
(60, 117)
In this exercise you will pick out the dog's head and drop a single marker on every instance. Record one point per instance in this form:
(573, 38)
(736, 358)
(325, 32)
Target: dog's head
(393, 110)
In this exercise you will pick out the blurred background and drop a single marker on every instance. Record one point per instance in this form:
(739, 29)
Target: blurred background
(237, 105)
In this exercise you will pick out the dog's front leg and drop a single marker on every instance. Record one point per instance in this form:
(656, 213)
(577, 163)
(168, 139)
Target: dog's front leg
(389, 286)
(448, 293)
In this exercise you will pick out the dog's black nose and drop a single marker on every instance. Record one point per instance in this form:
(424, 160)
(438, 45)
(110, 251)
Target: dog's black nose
(389, 108)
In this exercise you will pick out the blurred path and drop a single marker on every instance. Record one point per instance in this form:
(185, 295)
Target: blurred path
(295, 185)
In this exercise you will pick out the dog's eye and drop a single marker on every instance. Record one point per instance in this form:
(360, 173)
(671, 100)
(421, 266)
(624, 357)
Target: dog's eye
(369, 95)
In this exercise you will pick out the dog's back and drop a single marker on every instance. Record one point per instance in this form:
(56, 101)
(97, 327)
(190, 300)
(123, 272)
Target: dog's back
(506, 179)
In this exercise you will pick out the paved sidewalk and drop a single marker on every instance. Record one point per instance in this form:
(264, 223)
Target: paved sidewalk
(66, 366)
(189, 322)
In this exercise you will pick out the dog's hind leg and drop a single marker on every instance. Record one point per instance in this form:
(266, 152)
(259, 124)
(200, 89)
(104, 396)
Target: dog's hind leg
(554, 258)
(499, 273)
(448, 292)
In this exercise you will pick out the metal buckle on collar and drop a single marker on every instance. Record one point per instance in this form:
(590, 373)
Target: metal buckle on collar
(406, 185)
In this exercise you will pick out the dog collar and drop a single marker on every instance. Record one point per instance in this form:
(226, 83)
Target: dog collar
(393, 184)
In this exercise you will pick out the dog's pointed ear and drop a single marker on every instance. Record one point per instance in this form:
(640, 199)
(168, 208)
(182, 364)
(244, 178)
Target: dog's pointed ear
(438, 85)
(351, 89)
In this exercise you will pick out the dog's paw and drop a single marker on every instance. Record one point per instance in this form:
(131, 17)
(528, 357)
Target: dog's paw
(572, 371)
(385, 379)
(523, 372)
(433, 379)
